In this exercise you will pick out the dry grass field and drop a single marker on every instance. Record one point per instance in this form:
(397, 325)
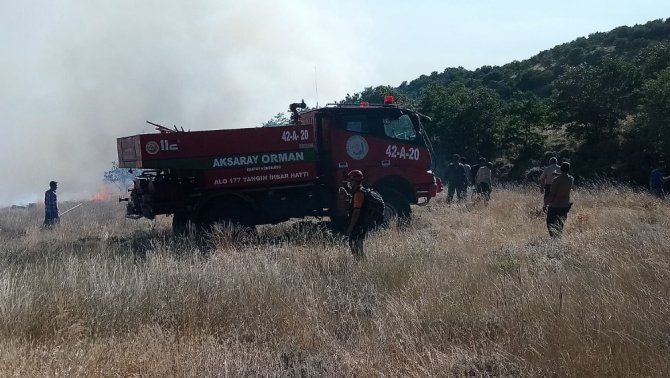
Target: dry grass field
(466, 290)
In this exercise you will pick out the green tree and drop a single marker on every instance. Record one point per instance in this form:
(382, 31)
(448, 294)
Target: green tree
(653, 124)
(594, 99)
(465, 120)
(654, 59)
(525, 116)
(278, 120)
(376, 96)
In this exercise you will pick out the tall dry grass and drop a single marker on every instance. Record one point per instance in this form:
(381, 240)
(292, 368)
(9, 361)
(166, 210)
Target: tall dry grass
(466, 290)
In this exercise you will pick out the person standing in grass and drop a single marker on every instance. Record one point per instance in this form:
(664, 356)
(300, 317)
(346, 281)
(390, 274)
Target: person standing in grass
(483, 181)
(357, 229)
(468, 176)
(51, 206)
(456, 180)
(547, 177)
(558, 204)
(656, 180)
(473, 174)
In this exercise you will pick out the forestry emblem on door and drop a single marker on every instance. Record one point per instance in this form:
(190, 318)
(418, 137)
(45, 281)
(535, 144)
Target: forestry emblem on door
(357, 147)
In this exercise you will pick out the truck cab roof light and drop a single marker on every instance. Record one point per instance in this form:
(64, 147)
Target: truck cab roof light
(388, 99)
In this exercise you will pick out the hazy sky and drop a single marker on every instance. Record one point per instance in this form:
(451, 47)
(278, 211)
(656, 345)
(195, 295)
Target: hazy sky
(75, 75)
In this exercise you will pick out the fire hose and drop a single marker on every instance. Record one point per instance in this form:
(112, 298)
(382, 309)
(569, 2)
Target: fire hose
(70, 209)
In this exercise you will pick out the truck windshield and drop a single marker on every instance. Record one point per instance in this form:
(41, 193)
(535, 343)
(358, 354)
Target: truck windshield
(394, 125)
(399, 128)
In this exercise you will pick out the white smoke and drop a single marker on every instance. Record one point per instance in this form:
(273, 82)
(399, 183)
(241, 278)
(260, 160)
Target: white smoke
(81, 75)
(77, 74)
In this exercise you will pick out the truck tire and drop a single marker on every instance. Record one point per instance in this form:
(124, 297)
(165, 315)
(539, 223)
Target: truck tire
(396, 206)
(180, 224)
(233, 214)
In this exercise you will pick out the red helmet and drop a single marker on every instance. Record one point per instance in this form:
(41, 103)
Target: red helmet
(355, 175)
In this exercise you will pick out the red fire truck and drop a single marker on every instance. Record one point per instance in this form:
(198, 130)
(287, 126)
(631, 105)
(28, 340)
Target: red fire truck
(267, 175)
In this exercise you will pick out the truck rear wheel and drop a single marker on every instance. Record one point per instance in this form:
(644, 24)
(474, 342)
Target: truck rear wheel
(180, 224)
(396, 207)
(234, 215)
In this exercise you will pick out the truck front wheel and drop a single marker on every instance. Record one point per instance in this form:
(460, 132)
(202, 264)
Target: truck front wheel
(396, 206)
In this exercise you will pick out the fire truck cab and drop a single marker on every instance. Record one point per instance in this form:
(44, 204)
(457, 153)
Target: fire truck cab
(388, 144)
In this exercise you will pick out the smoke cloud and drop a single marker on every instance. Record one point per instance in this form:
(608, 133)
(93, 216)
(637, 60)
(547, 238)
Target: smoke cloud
(75, 77)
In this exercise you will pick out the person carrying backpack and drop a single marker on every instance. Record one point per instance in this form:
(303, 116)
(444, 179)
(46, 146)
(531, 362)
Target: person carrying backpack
(366, 212)
(548, 174)
(559, 203)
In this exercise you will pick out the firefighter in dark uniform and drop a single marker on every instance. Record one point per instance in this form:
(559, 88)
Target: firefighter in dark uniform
(357, 230)
(51, 206)
(559, 203)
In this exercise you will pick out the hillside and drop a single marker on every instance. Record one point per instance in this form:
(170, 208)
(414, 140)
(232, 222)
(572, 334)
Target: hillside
(466, 290)
(599, 101)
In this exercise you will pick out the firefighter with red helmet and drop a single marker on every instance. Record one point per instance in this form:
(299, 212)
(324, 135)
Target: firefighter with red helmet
(356, 230)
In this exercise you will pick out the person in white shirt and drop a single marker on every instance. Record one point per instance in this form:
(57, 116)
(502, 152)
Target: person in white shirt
(468, 176)
(547, 176)
(483, 181)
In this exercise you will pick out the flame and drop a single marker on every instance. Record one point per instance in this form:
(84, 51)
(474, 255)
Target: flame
(106, 192)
